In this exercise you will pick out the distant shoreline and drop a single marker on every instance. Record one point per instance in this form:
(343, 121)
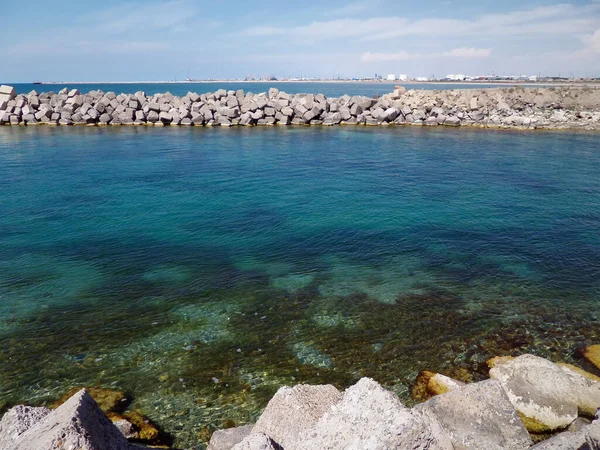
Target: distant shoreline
(381, 82)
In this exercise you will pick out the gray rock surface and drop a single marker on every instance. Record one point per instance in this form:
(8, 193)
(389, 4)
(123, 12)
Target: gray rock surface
(226, 439)
(79, 424)
(293, 410)
(371, 418)
(17, 421)
(541, 392)
(503, 107)
(478, 416)
(588, 438)
(258, 441)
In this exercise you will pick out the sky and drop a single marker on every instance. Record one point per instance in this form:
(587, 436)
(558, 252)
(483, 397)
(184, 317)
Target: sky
(156, 40)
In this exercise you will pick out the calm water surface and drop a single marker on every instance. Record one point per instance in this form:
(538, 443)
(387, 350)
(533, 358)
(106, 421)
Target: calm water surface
(200, 269)
(329, 89)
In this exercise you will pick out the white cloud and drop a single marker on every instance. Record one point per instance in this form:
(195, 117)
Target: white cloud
(466, 52)
(387, 57)
(548, 20)
(405, 56)
(592, 41)
(353, 8)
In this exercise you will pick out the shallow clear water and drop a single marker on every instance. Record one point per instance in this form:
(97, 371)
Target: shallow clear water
(200, 269)
(329, 89)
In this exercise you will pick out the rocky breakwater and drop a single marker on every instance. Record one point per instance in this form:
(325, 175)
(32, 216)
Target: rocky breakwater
(524, 396)
(523, 108)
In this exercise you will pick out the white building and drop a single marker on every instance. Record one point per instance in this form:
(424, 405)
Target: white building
(391, 77)
(456, 77)
(403, 77)
(421, 79)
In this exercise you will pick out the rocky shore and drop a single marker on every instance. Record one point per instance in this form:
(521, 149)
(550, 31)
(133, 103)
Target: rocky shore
(514, 107)
(527, 403)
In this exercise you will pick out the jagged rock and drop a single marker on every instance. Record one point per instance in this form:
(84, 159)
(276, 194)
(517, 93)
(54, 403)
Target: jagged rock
(541, 391)
(79, 424)
(370, 417)
(226, 439)
(478, 416)
(17, 421)
(293, 410)
(258, 441)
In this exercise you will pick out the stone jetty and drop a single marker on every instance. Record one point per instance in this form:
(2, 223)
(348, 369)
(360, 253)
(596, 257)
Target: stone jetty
(527, 399)
(514, 107)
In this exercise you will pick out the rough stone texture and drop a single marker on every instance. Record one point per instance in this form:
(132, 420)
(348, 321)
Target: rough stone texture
(586, 387)
(293, 410)
(77, 424)
(478, 416)
(541, 391)
(588, 438)
(17, 421)
(370, 418)
(226, 439)
(572, 107)
(258, 441)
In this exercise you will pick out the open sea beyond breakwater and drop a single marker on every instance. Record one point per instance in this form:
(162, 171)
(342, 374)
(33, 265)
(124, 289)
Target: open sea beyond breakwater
(331, 89)
(200, 269)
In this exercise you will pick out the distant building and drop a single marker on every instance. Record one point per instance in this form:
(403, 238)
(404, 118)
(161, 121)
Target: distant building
(533, 78)
(456, 77)
(403, 77)
(421, 79)
(391, 77)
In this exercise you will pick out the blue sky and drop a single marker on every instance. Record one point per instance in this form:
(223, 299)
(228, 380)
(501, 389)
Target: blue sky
(171, 39)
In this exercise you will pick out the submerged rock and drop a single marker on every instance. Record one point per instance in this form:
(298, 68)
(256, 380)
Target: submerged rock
(592, 354)
(109, 400)
(429, 384)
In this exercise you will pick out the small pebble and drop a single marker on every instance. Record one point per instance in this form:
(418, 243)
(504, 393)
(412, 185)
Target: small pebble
(239, 350)
(215, 380)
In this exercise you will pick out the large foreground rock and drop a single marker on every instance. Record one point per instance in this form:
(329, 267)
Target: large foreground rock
(546, 396)
(293, 410)
(17, 421)
(372, 418)
(78, 424)
(478, 416)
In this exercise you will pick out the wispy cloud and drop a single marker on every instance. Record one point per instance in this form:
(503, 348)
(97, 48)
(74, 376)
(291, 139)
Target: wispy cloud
(405, 56)
(554, 20)
(469, 52)
(592, 41)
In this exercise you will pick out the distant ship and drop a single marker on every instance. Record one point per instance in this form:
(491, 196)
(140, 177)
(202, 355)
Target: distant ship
(37, 82)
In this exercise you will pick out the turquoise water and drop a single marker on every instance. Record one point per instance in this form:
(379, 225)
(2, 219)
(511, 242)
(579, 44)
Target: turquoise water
(200, 269)
(331, 89)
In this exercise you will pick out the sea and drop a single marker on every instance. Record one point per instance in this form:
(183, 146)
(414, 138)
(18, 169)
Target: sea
(200, 269)
(329, 89)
